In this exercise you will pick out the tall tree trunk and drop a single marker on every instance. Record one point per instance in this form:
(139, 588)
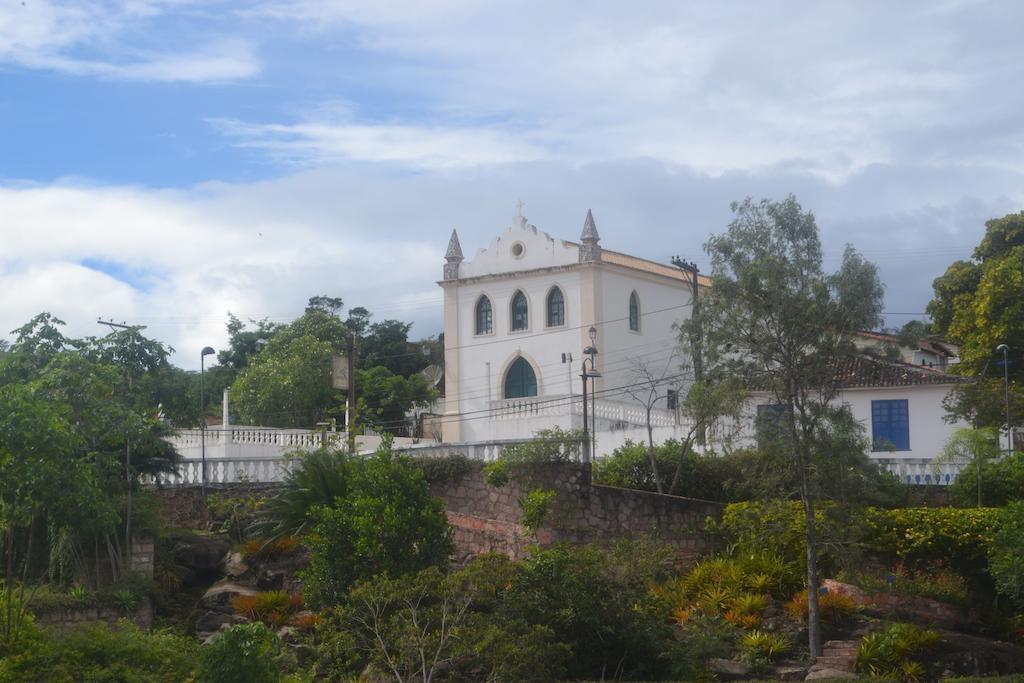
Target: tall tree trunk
(813, 610)
(650, 451)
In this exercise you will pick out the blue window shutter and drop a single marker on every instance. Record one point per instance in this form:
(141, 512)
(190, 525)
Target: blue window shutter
(890, 425)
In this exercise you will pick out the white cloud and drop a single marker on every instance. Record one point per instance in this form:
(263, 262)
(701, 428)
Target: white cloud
(92, 39)
(716, 86)
(376, 237)
(418, 146)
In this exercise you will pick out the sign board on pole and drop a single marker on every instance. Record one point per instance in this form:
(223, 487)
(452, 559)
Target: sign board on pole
(339, 371)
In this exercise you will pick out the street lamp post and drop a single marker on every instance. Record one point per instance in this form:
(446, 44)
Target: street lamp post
(589, 354)
(1006, 394)
(207, 351)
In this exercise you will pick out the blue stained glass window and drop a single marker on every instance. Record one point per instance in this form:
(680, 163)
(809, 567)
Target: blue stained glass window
(556, 308)
(484, 318)
(634, 312)
(890, 425)
(520, 380)
(520, 312)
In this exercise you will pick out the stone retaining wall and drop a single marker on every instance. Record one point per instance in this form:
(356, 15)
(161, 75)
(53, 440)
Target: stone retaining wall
(488, 519)
(63, 617)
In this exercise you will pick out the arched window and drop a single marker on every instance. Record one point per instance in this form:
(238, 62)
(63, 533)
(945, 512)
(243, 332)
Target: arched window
(556, 308)
(520, 312)
(520, 380)
(634, 312)
(484, 317)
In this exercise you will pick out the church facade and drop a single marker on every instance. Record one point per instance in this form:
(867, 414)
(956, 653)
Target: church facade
(518, 316)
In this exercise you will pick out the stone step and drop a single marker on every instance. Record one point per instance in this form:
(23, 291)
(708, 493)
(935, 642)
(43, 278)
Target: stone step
(839, 663)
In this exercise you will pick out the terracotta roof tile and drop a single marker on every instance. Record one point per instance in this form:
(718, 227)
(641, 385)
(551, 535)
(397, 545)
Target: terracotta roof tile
(864, 372)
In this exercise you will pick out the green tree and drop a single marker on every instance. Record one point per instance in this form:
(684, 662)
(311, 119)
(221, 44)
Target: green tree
(244, 343)
(384, 399)
(245, 653)
(1003, 478)
(975, 447)
(37, 472)
(977, 304)
(288, 384)
(776, 319)
(387, 522)
(1006, 554)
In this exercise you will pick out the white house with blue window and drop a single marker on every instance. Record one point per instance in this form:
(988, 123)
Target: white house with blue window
(518, 315)
(900, 406)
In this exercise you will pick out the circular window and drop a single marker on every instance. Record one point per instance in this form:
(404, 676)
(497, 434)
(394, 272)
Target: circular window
(518, 249)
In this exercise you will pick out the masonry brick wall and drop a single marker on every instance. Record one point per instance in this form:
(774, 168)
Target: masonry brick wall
(485, 518)
(488, 519)
(62, 617)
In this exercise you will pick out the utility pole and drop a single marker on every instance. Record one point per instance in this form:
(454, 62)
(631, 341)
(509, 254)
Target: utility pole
(114, 327)
(697, 330)
(350, 398)
(1006, 395)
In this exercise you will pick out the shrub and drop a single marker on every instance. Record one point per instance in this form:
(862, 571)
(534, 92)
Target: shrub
(899, 651)
(387, 522)
(271, 548)
(97, 652)
(777, 529)
(535, 506)
(1006, 554)
(724, 478)
(764, 645)
(1002, 482)
(245, 653)
(548, 446)
(835, 609)
(317, 479)
(451, 467)
(918, 537)
(271, 607)
(233, 515)
(934, 581)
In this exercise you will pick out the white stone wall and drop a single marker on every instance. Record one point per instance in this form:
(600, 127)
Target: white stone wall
(929, 431)
(663, 303)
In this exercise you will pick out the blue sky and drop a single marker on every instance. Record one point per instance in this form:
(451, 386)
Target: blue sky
(166, 161)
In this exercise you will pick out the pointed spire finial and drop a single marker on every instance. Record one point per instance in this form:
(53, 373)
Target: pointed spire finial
(589, 233)
(453, 257)
(454, 248)
(590, 250)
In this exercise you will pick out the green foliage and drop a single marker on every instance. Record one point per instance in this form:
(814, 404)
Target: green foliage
(1003, 481)
(98, 652)
(245, 653)
(451, 467)
(934, 581)
(835, 609)
(315, 479)
(705, 476)
(386, 522)
(536, 506)
(548, 446)
(234, 515)
(764, 645)
(779, 528)
(384, 398)
(287, 384)
(918, 537)
(977, 303)
(590, 598)
(975, 447)
(901, 651)
(1006, 554)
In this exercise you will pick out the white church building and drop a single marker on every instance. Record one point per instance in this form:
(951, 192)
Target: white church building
(519, 314)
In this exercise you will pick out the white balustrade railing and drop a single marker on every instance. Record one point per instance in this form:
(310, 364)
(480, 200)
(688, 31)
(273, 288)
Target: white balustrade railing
(614, 412)
(272, 469)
